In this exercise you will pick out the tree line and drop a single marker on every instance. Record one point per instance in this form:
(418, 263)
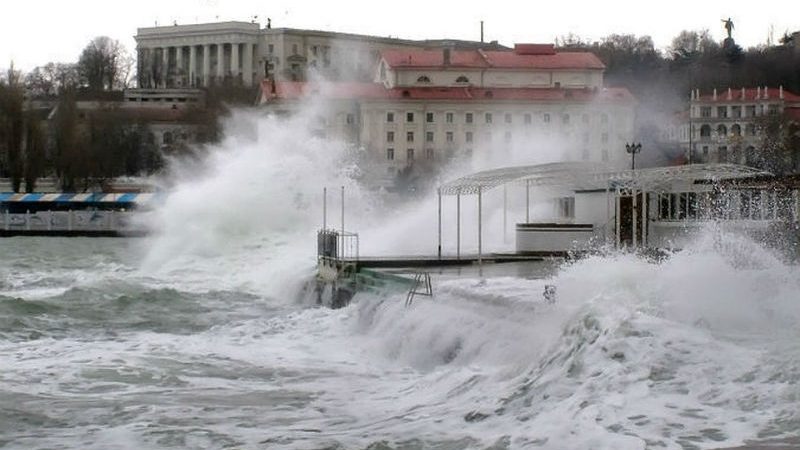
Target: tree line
(42, 132)
(662, 81)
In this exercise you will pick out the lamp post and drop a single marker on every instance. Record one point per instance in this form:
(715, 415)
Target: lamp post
(633, 149)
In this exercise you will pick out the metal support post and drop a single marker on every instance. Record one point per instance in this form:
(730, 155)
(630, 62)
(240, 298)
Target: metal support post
(633, 220)
(505, 213)
(480, 237)
(617, 218)
(439, 191)
(458, 225)
(527, 201)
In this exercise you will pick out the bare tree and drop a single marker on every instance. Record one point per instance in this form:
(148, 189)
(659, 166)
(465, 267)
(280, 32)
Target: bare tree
(100, 64)
(12, 124)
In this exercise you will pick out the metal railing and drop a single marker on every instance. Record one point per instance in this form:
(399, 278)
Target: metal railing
(337, 245)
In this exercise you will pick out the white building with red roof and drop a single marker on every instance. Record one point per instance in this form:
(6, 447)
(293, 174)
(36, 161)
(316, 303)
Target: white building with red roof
(426, 107)
(725, 124)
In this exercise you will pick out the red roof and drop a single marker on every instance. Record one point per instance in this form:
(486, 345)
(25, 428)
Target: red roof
(375, 91)
(527, 56)
(750, 94)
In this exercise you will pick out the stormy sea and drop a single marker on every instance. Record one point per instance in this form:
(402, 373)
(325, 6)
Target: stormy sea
(206, 333)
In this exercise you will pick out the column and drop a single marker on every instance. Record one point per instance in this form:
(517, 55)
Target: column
(192, 65)
(235, 61)
(248, 64)
(179, 72)
(207, 65)
(220, 62)
(164, 66)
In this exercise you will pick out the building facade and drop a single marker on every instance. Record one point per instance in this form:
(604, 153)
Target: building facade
(243, 53)
(724, 126)
(426, 107)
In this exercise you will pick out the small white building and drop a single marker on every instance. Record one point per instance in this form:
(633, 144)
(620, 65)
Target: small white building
(596, 206)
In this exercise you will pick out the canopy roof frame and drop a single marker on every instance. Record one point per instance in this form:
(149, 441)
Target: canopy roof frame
(593, 176)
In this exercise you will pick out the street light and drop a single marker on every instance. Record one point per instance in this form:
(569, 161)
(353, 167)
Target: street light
(633, 149)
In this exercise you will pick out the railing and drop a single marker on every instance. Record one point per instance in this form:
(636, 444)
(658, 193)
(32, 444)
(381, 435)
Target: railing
(337, 245)
(70, 221)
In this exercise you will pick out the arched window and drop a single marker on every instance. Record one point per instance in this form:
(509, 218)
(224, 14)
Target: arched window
(462, 79)
(750, 129)
(736, 129)
(705, 131)
(166, 139)
(722, 130)
(423, 79)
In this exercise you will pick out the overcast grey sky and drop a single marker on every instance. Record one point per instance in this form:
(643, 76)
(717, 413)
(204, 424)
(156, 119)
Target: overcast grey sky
(34, 32)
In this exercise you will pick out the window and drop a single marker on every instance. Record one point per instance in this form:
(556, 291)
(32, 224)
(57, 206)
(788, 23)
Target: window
(736, 112)
(409, 136)
(736, 129)
(566, 207)
(429, 153)
(390, 117)
(429, 117)
(527, 119)
(705, 131)
(604, 138)
(565, 119)
(468, 117)
(449, 117)
(750, 129)
(428, 136)
(469, 137)
(722, 111)
(705, 111)
(409, 117)
(390, 136)
(750, 110)
(390, 154)
(722, 130)
(350, 119)
(423, 79)
(166, 138)
(270, 48)
(546, 118)
(462, 79)
(449, 136)
(410, 154)
(488, 117)
(723, 154)
(507, 117)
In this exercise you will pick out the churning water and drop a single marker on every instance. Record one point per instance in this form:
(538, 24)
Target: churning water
(201, 336)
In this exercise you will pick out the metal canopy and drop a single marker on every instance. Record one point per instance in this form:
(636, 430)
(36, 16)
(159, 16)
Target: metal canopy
(589, 176)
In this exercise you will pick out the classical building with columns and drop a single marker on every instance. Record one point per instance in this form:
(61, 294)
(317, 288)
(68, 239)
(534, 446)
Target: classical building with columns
(197, 55)
(243, 53)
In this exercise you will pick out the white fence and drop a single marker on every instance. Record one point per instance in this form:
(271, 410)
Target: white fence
(70, 221)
